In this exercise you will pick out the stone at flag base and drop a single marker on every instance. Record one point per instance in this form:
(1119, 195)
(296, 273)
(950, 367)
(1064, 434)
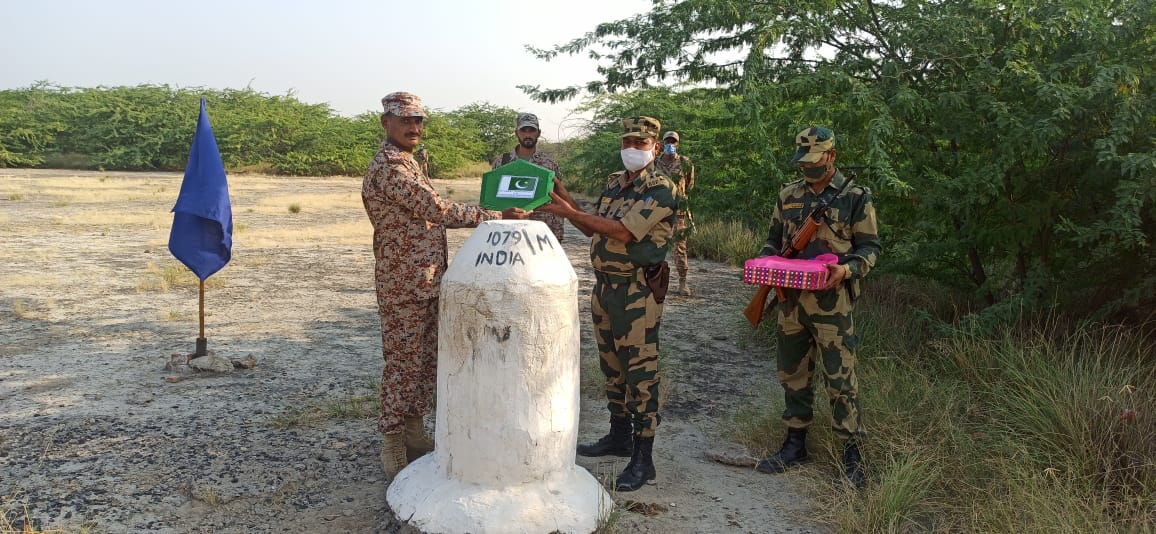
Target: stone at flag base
(507, 395)
(517, 184)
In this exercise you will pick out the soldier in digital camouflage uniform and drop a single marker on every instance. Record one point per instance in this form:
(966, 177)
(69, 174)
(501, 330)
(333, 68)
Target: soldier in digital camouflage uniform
(409, 246)
(681, 171)
(527, 131)
(817, 325)
(632, 229)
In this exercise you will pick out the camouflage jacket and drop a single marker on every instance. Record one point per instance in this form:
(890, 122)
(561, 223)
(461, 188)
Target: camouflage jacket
(681, 171)
(850, 230)
(646, 205)
(409, 225)
(557, 224)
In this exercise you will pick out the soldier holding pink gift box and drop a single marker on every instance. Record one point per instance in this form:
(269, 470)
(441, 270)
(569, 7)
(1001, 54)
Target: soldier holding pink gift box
(817, 325)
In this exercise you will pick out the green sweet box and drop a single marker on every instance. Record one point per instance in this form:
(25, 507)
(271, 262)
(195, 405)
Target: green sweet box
(517, 184)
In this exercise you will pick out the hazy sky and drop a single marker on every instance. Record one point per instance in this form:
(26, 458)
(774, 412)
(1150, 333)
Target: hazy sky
(348, 53)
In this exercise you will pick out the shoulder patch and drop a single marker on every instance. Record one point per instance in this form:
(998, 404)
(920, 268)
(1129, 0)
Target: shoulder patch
(656, 180)
(395, 158)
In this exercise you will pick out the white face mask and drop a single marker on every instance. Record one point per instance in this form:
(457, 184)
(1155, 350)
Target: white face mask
(635, 159)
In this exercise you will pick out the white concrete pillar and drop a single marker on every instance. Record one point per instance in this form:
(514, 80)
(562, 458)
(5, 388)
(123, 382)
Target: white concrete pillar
(507, 395)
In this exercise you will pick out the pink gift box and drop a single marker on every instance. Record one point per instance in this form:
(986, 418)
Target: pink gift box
(793, 273)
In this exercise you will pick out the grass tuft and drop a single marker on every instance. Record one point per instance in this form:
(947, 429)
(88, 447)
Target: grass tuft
(173, 275)
(354, 405)
(1043, 427)
(725, 241)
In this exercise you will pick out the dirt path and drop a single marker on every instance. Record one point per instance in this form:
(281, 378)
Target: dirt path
(94, 433)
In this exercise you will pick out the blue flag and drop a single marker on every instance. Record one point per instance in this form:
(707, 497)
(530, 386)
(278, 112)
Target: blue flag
(202, 233)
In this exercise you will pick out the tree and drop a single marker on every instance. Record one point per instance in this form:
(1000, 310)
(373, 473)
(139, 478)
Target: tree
(494, 127)
(1012, 141)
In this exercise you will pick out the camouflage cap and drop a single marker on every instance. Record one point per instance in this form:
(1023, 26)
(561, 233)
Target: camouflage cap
(402, 104)
(528, 119)
(670, 135)
(641, 127)
(813, 143)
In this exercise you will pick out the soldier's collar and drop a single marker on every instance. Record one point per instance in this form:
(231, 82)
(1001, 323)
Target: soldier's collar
(837, 180)
(642, 175)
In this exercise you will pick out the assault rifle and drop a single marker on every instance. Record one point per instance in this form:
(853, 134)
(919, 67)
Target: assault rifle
(758, 305)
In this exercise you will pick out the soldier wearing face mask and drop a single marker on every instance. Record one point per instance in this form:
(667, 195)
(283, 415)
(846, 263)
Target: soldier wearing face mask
(816, 327)
(632, 230)
(681, 171)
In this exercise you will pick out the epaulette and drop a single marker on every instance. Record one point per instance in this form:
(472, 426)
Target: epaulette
(613, 178)
(656, 179)
(394, 158)
(791, 184)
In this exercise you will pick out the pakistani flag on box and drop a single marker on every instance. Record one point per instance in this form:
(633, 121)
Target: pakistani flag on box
(517, 184)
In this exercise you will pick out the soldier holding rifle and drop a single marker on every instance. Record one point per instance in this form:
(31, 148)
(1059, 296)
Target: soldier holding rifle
(817, 325)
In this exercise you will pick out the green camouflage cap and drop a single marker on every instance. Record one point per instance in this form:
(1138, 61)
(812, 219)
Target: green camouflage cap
(641, 127)
(813, 143)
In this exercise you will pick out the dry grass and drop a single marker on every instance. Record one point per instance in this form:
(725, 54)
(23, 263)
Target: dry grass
(172, 275)
(16, 519)
(30, 310)
(155, 219)
(209, 495)
(326, 202)
(345, 233)
(362, 404)
(26, 280)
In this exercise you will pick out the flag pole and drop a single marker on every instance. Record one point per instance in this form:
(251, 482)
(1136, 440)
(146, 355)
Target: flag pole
(202, 343)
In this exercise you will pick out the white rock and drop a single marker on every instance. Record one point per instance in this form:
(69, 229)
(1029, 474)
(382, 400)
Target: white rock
(507, 395)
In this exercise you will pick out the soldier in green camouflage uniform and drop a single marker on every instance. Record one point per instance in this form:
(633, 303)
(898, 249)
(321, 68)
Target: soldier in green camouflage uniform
(421, 155)
(632, 231)
(817, 325)
(681, 171)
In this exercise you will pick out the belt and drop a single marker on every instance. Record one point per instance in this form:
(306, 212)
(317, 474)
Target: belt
(612, 278)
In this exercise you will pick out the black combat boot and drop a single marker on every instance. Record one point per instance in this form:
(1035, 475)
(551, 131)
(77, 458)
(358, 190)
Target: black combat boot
(794, 452)
(640, 470)
(853, 465)
(619, 442)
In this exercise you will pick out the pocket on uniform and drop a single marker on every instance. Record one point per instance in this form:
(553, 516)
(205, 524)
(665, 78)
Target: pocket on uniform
(841, 229)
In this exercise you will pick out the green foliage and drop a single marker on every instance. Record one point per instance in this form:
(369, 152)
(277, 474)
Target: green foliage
(490, 127)
(150, 127)
(728, 242)
(1012, 143)
(451, 144)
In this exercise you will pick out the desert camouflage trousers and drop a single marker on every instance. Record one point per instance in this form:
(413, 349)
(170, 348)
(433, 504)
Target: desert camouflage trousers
(626, 321)
(681, 261)
(817, 326)
(409, 345)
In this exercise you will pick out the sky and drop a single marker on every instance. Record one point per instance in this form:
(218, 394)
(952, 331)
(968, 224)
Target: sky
(347, 53)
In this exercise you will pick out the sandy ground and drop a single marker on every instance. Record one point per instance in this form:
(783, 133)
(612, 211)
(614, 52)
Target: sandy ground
(97, 436)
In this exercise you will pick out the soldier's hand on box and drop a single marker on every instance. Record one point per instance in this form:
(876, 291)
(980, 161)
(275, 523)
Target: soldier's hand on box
(515, 213)
(836, 274)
